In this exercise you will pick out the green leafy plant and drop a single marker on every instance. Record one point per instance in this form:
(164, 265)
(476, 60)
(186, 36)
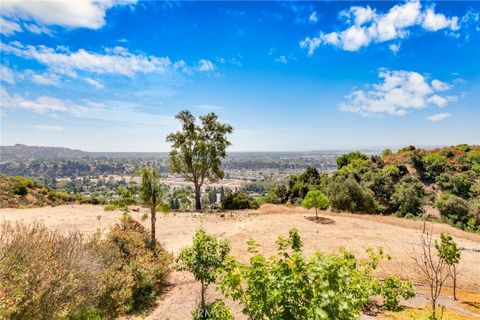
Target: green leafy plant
(203, 259)
(448, 251)
(216, 310)
(316, 199)
(453, 208)
(136, 272)
(238, 201)
(151, 192)
(392, 289)
(292, 286)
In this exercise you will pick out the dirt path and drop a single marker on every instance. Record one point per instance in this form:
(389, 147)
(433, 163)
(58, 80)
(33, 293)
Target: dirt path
(397, 236)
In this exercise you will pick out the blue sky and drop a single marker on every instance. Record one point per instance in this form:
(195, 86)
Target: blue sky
(110, 76)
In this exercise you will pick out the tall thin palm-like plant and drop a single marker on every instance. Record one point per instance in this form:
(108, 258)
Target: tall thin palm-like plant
(151, 195)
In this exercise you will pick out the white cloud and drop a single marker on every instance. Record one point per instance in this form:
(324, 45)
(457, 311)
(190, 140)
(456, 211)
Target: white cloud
(311, 44)
(8, 27)
(313, 17)
(440, 86)
(65, 13)
(436, 21)
(7, 75)
(46, 78)
(441, 101)
(48, 128)
(438, 117)
(366, 26)
(34, 28)
(281, 59)
(354, 38)
(359, 15)
(394, 47)
(205, 65)
(94, 83)
(400, 92)
(43, 104)
(116, 60)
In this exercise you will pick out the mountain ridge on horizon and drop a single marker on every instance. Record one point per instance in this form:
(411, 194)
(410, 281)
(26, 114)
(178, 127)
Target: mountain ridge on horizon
(22, 151)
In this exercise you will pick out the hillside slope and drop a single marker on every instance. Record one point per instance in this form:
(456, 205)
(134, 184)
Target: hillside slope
(21, 151)
(21, 192)
(399, 237)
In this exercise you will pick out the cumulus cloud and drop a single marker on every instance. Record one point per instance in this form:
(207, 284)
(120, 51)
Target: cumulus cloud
(205, 65)
(117, 60)
(94, 83)
(7, 75)
(398, 94)
(65, 13)
(438, 117)
(313, 17)
(365, 26)
(48, 128)
(439, 85)
(436, 21)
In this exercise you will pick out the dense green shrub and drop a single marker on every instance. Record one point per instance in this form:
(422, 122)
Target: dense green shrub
(299, 185)
(408, 197)
(356, 168)
(136, 273)
(392, 289)
(272, 196)
(238, 200)
(464, 147)
(346, 159)
(458, 184)
(434, 164)
(382, 186)
(346, 194)
(34, 261)
(453, 208)
(292, 286)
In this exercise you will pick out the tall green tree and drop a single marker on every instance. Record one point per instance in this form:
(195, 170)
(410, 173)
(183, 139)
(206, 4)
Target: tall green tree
(151, 192)
(197, 150)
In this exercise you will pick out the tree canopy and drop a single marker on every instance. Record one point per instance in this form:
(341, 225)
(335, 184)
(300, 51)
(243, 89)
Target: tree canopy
(197, 150)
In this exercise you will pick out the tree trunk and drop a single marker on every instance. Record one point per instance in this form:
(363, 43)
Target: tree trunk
(454, 276)
(198, 203)
(316, 213)
(153, 212)
(202, 302)
(434, 313)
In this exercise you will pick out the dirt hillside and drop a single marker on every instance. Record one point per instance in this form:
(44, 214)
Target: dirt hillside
(399, 238)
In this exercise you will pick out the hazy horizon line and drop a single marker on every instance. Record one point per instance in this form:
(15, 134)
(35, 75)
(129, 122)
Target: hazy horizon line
(324, 148)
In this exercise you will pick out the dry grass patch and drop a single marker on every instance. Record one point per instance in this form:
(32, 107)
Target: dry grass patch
(424, 314)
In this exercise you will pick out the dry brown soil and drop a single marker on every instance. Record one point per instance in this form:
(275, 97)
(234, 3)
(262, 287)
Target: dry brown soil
(399, 238)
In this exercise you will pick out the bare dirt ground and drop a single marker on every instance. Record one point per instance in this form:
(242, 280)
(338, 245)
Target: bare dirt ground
(399, 238)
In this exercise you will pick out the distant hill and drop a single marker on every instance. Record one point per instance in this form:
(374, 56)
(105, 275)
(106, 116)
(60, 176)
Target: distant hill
(21, 151)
